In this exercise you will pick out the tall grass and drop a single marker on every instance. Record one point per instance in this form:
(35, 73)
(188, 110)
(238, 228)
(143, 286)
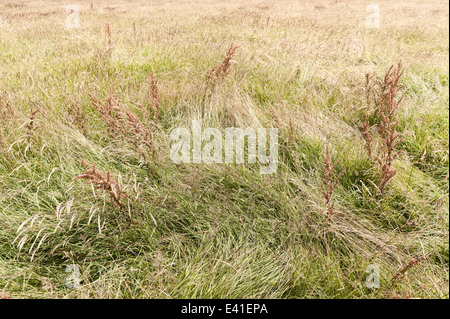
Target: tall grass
(111, 92)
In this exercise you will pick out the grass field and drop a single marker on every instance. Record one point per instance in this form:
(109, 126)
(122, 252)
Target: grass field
(151, 228)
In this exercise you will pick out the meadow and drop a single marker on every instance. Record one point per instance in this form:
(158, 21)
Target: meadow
(88, 100)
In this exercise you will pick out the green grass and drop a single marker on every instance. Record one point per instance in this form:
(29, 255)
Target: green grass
(221, 230)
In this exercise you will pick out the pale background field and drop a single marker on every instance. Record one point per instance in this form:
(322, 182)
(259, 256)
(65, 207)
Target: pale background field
(220, 231)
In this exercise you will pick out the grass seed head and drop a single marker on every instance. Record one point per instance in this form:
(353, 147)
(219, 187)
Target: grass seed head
(220, 71)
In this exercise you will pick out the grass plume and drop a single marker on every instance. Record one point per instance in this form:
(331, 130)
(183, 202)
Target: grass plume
(386, 96)
(329, 180)
(103, 181)
(125, 124)
(220, 71)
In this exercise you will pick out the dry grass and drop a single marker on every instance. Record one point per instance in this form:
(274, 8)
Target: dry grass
(108, 35)
(154, 94)
(4, 296)
(402, 271)
(123, 123)
(31, 125)
(386, 97)
(329, 180)
(219, 72)
(103, 181)
(78, 116)
(223, 231)
(367, 134)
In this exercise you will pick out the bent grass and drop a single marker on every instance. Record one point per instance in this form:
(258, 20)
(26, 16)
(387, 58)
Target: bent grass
(223, 231)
